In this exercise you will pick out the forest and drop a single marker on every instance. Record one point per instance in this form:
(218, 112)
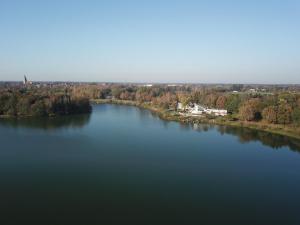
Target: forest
(39, 102)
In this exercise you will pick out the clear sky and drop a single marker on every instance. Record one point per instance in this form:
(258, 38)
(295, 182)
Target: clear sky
(212, 41)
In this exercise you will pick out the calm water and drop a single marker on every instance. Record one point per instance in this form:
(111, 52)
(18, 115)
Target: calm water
(123, 165)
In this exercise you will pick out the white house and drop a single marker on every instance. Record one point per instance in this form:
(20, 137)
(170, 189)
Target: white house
(196, 109)
(180, 106)
(217, 112)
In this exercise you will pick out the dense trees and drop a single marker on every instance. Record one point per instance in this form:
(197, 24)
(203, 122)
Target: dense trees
(221, 102)
(280, 107)
(284, 115)
(251, 110)
(233, 103)
(40, 103)
(269, 114)
(281, 113)
(296, 116)
(166, 101)
(273, 105)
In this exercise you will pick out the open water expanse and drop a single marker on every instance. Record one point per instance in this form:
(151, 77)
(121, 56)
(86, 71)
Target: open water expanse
(124, 165)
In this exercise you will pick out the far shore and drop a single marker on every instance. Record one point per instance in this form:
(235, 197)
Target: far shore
(172, 115)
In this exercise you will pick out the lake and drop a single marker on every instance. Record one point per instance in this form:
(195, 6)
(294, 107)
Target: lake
(124, 165)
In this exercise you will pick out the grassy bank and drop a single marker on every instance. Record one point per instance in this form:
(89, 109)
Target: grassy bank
(170, 115)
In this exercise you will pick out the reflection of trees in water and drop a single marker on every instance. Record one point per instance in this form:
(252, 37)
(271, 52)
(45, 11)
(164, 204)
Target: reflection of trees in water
(247, 135)
(46, 123)
(273, 140)
(198, 127)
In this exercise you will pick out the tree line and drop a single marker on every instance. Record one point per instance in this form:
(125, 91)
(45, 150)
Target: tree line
(41, 102)
(273, 106)
(278, 106)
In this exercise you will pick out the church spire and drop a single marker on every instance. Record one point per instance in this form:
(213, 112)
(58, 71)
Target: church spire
(25, 80)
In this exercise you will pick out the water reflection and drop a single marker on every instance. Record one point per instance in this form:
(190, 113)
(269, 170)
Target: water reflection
(246, 135)
(74, 121)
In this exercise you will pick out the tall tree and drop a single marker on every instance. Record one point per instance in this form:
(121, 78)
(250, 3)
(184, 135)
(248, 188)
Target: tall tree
(251, 110)
(284, 113)
(296, 116)
(233, 103)
(269, 114)
(221, 102)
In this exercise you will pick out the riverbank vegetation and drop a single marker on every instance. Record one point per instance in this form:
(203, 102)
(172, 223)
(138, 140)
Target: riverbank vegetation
(271, 108)
(27, 102)
(265, 107)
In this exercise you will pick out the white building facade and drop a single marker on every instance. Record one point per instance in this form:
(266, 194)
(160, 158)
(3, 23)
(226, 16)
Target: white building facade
(196, 109)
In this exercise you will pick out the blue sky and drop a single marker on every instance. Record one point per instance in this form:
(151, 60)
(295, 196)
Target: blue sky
(151, 41)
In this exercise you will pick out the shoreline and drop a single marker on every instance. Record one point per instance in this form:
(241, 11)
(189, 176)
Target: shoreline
(169, 115)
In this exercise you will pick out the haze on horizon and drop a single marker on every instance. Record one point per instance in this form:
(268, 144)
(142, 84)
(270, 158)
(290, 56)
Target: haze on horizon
(151, 41)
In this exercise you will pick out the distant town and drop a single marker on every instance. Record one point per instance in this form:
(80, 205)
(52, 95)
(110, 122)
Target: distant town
(235, 88)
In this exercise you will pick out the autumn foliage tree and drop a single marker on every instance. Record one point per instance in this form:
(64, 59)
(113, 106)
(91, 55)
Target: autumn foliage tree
(221, 102)
(269, 114)
(251, 110)
(41, 103)
(284, 113)
(210, 100)
(166, 101)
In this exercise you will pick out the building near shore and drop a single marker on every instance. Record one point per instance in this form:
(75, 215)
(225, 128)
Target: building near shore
(196, 109)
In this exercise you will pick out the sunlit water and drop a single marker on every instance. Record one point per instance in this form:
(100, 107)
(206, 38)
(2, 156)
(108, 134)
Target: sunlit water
(124, 165)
